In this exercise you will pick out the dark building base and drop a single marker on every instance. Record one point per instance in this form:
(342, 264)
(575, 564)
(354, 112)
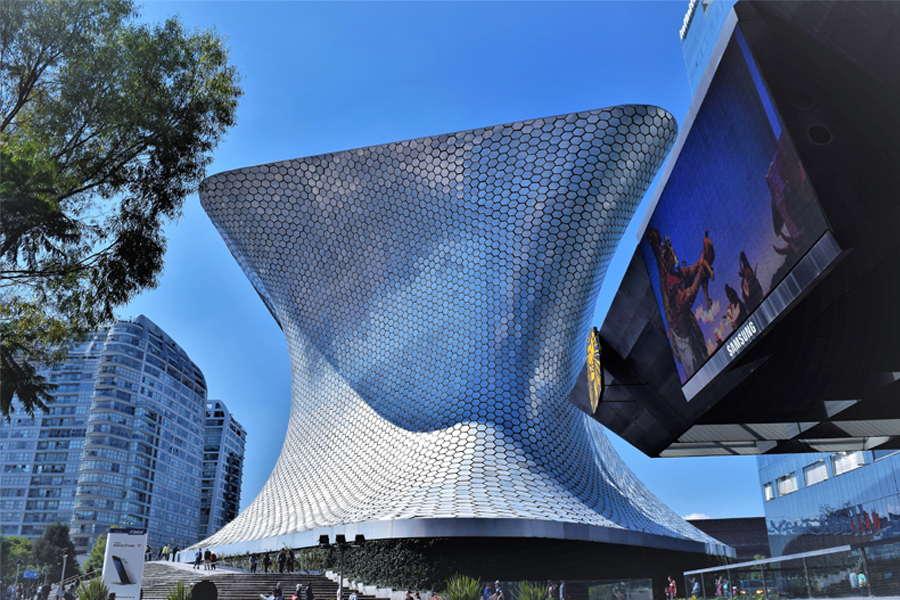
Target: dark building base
(417, 563)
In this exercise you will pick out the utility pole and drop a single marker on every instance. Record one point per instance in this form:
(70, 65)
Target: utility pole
(62, 577)
(16, 584)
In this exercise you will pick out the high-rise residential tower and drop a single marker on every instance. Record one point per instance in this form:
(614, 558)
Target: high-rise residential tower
(121, 444)
(223, 468)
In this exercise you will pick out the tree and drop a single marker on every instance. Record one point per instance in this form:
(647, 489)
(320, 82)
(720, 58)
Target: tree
(49, 549)
(13, 549)
(106, 126)
(97, 556)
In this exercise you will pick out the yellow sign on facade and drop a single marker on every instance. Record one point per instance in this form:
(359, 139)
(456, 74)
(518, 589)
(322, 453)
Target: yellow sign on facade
(594, 369)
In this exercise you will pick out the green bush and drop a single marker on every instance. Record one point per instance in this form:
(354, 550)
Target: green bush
(179, 592)
(462, 587)
(94, 589)
(527, 591)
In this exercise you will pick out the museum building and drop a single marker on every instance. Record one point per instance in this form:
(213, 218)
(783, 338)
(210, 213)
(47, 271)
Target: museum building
(436, 296)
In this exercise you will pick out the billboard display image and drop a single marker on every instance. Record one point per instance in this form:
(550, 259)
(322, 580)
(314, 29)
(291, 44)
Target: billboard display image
(123, 565)
(735, 216)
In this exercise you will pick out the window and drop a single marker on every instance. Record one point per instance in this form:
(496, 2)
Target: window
(879, 454)
(786, 484)
(815, 473)
(769, 491)
(844, 462)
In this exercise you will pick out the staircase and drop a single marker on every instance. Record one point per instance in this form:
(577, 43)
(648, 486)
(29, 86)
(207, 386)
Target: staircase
(161, 576)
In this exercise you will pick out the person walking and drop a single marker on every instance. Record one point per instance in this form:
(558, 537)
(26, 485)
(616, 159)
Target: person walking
(671, 590)
(198, 558)
(563, 594)
(290, 561)
(281, 559)
(254, 561)
(206, 556)
(267, 562)
(309, 591)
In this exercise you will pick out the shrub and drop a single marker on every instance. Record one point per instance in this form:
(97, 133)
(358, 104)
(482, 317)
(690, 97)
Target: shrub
(179, 592)
(462, 587)
(528, 591)
(94, 589)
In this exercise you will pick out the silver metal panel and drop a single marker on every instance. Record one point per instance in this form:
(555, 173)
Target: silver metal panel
(436, 295)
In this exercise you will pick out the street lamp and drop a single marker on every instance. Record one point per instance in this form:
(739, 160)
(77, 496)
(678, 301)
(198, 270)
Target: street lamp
(340, 540)
(16, 584)
(62, 577)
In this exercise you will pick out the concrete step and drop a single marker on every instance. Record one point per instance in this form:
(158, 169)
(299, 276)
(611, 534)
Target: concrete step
(160, 577)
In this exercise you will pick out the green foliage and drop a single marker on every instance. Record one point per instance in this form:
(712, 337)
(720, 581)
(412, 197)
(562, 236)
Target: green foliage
(94, 589)
(50, 547)
(179, 592)
(462, 587)
(98, 554)
(13, 549)
(310, 559)
(106, 126)
(528, 591)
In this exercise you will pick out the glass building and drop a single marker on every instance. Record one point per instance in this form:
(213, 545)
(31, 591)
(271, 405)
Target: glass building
(703, 24)
(120, 445)
(223, 468)
(822, 500)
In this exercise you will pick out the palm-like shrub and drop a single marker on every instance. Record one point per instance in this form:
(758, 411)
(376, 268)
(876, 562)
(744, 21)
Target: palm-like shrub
(528, 591)
(179, 592)
(94, 589)
(462, 587)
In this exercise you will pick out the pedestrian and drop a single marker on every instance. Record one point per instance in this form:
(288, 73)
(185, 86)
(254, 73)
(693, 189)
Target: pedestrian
(253, 562)
(281, 559)
(487, 592)
(498, 592)
(695, 588)
(212, 560)
(309, 591)
(148, 552)
(278, 593)
(198, 558)
(267, 562)
(671, 590)
(355, 596)
(290, 561)
(206, 555)
(563, 595)
(298, 593)
(175, 554)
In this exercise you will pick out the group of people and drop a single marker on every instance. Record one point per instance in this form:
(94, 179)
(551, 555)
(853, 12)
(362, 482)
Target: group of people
(33, 591)
(164, 553)
(207, 558)
(554, 591)
(284, 560)
(299, 593)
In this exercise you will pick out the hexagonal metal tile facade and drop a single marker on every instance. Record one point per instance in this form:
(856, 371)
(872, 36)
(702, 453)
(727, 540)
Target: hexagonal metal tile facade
(436, 295)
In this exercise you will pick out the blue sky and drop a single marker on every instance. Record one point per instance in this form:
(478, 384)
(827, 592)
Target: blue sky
(321, 77)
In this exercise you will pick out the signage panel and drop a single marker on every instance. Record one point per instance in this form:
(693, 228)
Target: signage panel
(735, 217)
(123, 565)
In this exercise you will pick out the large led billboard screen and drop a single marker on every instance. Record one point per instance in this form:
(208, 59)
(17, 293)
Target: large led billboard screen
(737, 213)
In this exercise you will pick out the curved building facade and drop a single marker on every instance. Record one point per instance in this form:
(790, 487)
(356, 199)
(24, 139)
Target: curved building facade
(436, 295)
